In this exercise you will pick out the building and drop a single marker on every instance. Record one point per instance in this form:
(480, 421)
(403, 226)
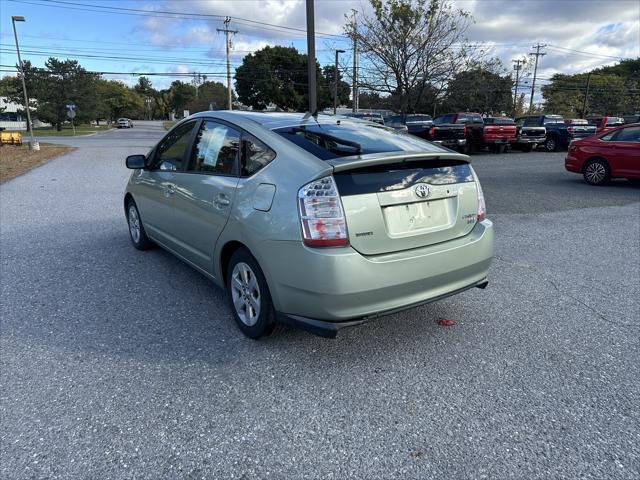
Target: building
(12, 119)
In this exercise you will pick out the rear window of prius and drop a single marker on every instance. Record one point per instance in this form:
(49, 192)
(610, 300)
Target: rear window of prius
(333, 140)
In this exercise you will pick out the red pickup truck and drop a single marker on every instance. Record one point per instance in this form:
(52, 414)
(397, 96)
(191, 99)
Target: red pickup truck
(496, 133)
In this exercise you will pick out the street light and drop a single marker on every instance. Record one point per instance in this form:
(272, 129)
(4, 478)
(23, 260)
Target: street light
(33, 145)
(335, 83)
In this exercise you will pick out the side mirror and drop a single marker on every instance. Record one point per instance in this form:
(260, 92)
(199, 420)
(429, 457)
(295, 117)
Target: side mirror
(136, 162)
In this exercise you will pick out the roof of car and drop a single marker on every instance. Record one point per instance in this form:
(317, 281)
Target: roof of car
(273, 120)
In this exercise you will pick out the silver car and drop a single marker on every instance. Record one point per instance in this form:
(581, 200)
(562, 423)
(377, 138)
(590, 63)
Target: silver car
(124, 123)
(317, 222)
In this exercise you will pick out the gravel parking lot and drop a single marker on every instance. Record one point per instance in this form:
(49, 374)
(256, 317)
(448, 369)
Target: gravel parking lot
(117, 363)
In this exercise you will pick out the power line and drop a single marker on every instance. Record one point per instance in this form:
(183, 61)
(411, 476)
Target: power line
(163, 14)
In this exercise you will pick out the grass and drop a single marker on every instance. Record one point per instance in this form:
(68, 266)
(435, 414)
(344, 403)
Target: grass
(168, 124)
(16, 160)
(66, 131)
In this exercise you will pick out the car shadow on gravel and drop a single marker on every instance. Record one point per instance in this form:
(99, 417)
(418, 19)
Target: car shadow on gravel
(96, 293)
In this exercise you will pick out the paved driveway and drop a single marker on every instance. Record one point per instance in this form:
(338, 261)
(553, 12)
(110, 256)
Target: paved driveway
(117, 363)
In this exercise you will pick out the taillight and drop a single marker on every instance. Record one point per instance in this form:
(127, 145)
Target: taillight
(321, 215)
(465, 130)
(570, 129)
(482, 207)
(432, 132)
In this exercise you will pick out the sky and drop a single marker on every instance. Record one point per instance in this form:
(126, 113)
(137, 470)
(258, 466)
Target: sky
(579, 34)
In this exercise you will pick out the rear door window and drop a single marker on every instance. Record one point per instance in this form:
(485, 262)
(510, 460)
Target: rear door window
(216, 150)
(631, 134)
(444, 119)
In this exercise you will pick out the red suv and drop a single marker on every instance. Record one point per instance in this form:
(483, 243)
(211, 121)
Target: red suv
(610, 154)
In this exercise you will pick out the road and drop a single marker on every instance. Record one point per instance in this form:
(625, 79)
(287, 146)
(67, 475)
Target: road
(118, 364)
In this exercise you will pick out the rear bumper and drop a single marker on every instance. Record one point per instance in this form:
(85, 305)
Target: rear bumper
(451, 142)
(529, 140)
(329, 329)
(572, 164)
(341, 285)
(496, 141)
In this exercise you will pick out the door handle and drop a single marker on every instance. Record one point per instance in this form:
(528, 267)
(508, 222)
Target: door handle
(170, 190)
(221, 200)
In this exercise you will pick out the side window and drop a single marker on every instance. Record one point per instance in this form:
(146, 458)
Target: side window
(631, 134)
(477, 119)
(255, 155)
(170, 152)
(520, 122)
(609, 136)
(216, 149)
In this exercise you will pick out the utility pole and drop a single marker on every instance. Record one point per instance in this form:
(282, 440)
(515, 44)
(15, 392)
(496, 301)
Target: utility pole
(227, 31)
(517, 67)
(311, 58)
(586, 95)
(537, 54)
(354, 85)
(335, 83)
(34, 145)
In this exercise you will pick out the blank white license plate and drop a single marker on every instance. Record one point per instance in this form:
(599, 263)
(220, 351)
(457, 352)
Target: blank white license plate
(411, 217)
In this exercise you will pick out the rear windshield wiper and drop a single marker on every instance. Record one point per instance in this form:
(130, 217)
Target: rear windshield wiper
(328, 136)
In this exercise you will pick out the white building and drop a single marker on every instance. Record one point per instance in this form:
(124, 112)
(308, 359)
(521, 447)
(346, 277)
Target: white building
(11, 119)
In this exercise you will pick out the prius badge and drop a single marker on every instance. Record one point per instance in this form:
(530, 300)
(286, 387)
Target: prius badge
(422, 190)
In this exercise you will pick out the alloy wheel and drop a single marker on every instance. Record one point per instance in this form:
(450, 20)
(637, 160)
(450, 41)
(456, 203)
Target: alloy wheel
(134, 224)
(595, 173)
(245, 293)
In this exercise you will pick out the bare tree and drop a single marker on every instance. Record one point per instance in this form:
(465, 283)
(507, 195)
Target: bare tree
(410, 47)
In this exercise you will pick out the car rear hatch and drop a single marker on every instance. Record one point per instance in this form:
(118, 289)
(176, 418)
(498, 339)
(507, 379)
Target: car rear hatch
(499, 132)
(395, 202)
(447, 132)
(532, 132)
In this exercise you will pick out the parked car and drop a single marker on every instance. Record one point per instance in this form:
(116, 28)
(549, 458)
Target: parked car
(558, 133)
(124, 123)
(610, 154)
(415, 124)
(605, 123)
(496, 136)
(372, 117)
(498, 133)
(529, 134)
(635, 118)
(321, 223)
(449, 134)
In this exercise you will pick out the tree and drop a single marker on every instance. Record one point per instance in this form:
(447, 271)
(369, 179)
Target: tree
(344, 88)
(8, 88)
(408, 45)
(278, 75)
(480, 90)
(210, 95)
(613, 90)
(57, 85)
(118, 100)
(180, 94)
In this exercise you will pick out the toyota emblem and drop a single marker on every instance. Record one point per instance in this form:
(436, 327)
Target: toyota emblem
(422, 190)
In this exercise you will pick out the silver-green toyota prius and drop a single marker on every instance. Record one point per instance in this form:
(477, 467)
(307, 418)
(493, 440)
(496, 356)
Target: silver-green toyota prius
(319, 222)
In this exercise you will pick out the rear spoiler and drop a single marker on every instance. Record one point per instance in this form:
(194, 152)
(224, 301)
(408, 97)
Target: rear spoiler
(360, 161)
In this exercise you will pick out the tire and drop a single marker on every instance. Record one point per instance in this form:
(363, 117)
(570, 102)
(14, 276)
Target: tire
(137, 234)
(468, 148)
(527, 148)
(248, 296)
(596, 172)
(551, 144)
